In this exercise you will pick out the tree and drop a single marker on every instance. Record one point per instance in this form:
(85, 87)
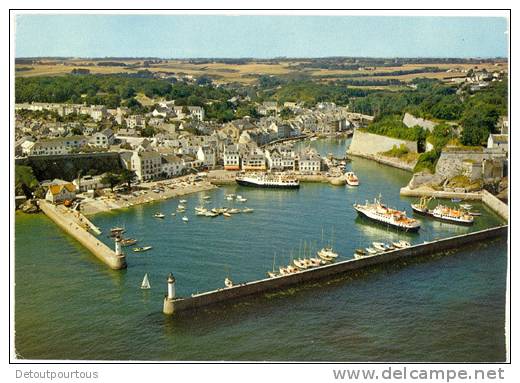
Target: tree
(25, 181)
(127, 176)
(110, 179)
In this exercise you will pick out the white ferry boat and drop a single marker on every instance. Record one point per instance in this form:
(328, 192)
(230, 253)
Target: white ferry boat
(381, 213)
(275, 181)
(443, 213)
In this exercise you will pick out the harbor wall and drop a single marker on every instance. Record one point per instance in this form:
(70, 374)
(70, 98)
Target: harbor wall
(91, 243)
(68, 166)
(270, 284)
(427, 192)
(495, 204)
(364, 143)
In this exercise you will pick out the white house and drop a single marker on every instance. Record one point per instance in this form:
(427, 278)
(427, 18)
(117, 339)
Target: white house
(89, 183)
(309, 163)
(231, 158)
(208, 156)
(104, 138)
(172, 165)
(147, 165)
(498, 141)
(55, 146)
(60, 191)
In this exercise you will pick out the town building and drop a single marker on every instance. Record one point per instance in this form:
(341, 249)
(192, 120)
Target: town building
(104, 139)
(231, 157)
(60, 191)
(56, 146)
(147, 165)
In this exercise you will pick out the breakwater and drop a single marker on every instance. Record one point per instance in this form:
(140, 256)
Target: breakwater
(172, 305)
(66, 221)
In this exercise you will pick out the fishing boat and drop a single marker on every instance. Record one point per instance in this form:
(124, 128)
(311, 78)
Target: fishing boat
(185, 219)
(316, 262)
(158, 215)
(247, 210)
(274, 181)
(401, 244)
(379, 246)
(145, 284)
(361, 252)
(328, 252)
(128, 241)
(141, 249)
(351, 179)
(299, 263)
(116, 231)
(325, 257)
(383, 214)
(228, 282)
(421, 206)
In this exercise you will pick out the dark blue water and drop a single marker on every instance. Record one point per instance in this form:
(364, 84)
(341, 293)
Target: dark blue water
(451, 308)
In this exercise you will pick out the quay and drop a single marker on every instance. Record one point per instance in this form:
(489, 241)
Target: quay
(77, 226)
(173, 304)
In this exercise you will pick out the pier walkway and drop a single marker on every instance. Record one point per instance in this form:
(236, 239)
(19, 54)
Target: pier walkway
(272, 284)
(76, 226)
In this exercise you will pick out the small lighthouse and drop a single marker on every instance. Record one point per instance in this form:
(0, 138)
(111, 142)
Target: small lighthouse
(171, 286)
(168, 305)
(119, 248)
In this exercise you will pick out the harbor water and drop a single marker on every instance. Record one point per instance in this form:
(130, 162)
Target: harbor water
(450, 308)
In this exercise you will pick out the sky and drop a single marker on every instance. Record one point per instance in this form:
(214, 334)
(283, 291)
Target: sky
(185, 36)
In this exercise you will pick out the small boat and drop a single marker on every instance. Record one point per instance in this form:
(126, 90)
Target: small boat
(183, 201)
(299, 264)
(456, 200)
(247, 210)
(466, 206)
(270, 274)
(283, 271)
(379, 246)
(173, 214)
(325, 257)
(116, 231)
(404, 243)
(475, 213)
(371, 251)
(181, 210)
(292, 269)
(128, 242)
(158, 215)
(181, 206)
(200, 213)
(210, 214)
(315, 262)
(206, 197)
(141, 249)
(351, 179)
(241, 199)
(361, 252)
(228, 282)
(145, 284)
(226, 214)
(234, 211)
(328, 252)
(185, 219)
